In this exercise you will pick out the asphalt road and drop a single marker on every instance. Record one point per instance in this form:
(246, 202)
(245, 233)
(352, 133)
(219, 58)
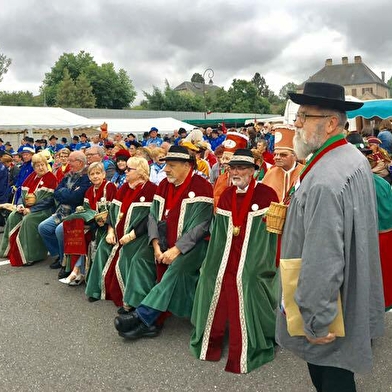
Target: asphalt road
(53, 339)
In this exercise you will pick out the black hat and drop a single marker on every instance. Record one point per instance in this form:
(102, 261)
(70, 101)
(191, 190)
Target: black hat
(28, 139)
(75, 138)
(181, 130)
(1, 140)
(83, 135)
(177, 153)
(8, 144)
(53, 137)
(325, 95)
(64, 139)
(356, 139)
(243, 157)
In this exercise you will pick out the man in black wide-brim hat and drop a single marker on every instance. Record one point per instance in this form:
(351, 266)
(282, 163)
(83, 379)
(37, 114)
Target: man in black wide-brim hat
(330, 233)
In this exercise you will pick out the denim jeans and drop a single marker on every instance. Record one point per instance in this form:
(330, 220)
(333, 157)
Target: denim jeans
(80, 263)
(52, 234)
(147, 315)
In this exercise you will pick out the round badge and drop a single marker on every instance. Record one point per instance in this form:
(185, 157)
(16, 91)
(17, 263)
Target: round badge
(142, 199)
(255, 207)
(278, 136)
(191, 194)
(229, 144)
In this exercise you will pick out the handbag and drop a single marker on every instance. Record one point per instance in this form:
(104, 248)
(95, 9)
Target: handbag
(289, 273)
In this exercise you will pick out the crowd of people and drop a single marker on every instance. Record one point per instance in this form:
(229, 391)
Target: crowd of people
(180, 225)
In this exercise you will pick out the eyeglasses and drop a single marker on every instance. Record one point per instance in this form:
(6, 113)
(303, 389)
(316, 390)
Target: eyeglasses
(281, 154)
(302, 116)
(239, 168)
(128, 169)
(91, 154)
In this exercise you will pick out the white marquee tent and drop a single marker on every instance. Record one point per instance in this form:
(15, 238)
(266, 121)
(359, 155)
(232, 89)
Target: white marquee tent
(165, 125)
(16, 119)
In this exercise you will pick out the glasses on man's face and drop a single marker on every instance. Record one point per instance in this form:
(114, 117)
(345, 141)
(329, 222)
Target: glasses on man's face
(238, 168)
(91, 154)
(302, 116)
(128, 169)
(281, 154)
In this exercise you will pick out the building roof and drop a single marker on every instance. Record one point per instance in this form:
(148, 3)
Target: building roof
(196, 88)
(345, 74)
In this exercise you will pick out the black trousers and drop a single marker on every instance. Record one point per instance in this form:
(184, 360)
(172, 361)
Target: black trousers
(331, 379)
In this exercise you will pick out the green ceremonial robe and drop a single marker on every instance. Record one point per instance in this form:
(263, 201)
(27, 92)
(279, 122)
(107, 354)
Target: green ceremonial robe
(191, 215)
(238, 284)
(113, 263)
(21, 241)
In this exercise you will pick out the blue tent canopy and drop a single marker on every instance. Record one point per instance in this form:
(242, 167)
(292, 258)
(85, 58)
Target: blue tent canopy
(378, 108)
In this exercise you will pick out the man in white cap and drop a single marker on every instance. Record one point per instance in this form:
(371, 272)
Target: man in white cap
(284, 174)
(330, 237)
(238, 281)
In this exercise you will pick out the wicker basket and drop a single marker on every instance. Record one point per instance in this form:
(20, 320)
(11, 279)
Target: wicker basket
(276, 216)
(101, 217)
(30, 200)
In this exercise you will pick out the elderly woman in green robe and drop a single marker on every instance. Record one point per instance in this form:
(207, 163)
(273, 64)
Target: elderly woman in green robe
(21, 241)
(112, 269)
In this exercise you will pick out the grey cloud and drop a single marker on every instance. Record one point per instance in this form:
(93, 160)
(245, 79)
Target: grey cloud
(156, 40)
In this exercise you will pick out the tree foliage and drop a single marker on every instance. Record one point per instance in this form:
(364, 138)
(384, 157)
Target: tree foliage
(290, 87)
(111, 89)
(261, 86)
(5, 62)
(389, 83)
(242, 96)
(197, 78)
(20, 98)
(170, 99)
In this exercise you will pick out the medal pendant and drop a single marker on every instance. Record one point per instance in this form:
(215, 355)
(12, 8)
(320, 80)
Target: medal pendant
(236, 230)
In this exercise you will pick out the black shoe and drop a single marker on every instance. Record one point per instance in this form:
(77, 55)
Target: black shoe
(56, 264)
(28, 264)
(126, 322)
(63, 274)
(123, 310)
(92, 299)
(141, 331)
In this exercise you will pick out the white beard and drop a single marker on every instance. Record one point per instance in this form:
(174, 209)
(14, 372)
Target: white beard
(304, 147)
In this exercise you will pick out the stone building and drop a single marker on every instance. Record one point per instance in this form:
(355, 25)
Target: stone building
(357, 78)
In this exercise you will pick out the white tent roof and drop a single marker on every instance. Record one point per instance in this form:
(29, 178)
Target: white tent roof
(19, 118)
(138, 126)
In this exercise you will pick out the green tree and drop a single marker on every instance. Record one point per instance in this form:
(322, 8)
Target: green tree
(111, 89)
(290, 87)
(197, 78)
(5, 62)
(18, 98)
(261, 85)
(245, 98)
(170, 99)
(389, 83)
(66, 92)
(84, 92)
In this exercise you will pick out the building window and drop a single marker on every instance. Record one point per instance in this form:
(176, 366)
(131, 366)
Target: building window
(354, 92)
(365, 89)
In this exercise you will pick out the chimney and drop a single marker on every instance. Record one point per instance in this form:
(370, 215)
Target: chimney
(344, 60)
(383, 76)
(328, 62)
(357, 59)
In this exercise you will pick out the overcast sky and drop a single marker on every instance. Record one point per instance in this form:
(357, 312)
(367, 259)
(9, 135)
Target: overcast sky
(284, 40)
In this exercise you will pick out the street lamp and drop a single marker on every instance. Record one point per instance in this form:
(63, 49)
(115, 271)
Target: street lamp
(209, 72)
